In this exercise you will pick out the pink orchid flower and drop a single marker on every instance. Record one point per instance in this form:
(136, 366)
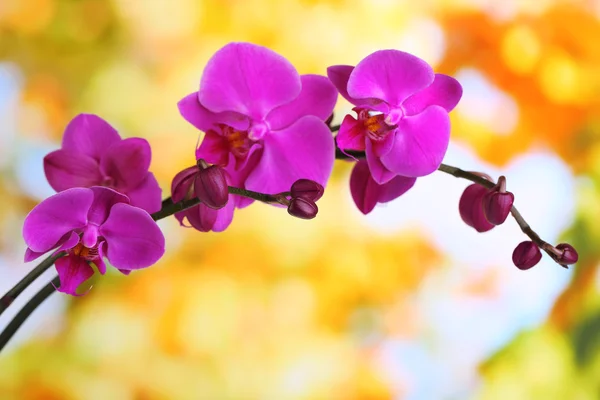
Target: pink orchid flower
(263, 122)
(89, 224)
(93, 154)
(402, 106)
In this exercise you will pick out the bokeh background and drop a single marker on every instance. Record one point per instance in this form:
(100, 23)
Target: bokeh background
(406, 303)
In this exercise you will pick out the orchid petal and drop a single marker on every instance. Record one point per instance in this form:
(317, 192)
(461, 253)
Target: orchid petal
(303, 150)
(147, 195)
(213, 149)
(318, 98)
(55, 217)
(351, 135)
(363, 188)
(206, 219)
(133, 239)
(248, 79)
(383, 146)
(100, 264)
(67, 169)
(127, 162)
(72, 271)
(445, 91)
(205, 120)
(89, 135)
(31, 255)
(420, 144)
(339, 75)
(395, 188)
(90, 235)
(104, 199)
(389, 75)
(69, 242)
(380, 173)
(202, 218)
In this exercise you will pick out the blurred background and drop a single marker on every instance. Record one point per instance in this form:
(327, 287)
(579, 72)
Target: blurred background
(406, 303)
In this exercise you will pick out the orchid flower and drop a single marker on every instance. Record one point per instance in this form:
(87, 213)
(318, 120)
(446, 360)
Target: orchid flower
(263, 122)
(90, 224)
(93, 154)
(402, 113)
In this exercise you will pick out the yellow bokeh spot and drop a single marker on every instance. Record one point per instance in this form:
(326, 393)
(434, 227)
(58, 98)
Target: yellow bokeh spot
(520, 49)
(560, 78)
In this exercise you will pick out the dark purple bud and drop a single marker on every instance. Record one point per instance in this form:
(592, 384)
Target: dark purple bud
(307, 189)
(497, 203)
(211, 188)
(182, 185)
(526, 255)
(470, 207)
(303, 208)
(569, 255)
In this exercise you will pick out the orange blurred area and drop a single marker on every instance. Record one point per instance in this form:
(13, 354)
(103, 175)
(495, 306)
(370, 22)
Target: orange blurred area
(344, 307)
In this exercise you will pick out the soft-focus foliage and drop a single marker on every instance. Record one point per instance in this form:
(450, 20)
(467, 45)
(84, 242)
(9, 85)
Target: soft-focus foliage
(343, 306)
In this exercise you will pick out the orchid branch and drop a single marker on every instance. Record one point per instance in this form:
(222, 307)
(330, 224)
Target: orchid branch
(27, 310)
(16, 290)
(552, 251)
(169, 208)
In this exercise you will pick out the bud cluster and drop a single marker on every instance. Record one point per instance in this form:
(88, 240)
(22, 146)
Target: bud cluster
(304, 195)
(483, 208)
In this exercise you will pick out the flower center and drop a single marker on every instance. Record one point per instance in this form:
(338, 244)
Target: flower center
(108, 182)
(239, 143)
(86, 253)
(375, 125)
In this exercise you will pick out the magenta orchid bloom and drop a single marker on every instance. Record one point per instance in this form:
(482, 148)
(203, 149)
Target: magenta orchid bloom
(367, 193)
(263, 121)
(93, 154)
(402, 108)
(89, 224)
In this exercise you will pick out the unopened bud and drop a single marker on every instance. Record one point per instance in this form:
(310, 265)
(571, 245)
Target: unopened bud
(470, 207)
(181, 187)
(307, 189)
(526, 255)
(301, 207)
(211, 187)
(569, 254)
(497, 203)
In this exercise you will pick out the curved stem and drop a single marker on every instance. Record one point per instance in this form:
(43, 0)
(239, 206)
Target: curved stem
(27, 310)
(16, 290)
(476, 178)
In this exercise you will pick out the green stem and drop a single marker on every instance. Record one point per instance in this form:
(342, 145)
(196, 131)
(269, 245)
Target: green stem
(16, 290)
(26, 311)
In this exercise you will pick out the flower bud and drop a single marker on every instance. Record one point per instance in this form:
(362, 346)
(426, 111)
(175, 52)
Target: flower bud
(211, 187)
(470, 207)
(569, 255)
(182, 185)
(307, 189)
(301, 207)
(526, 255)
(497, 203)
